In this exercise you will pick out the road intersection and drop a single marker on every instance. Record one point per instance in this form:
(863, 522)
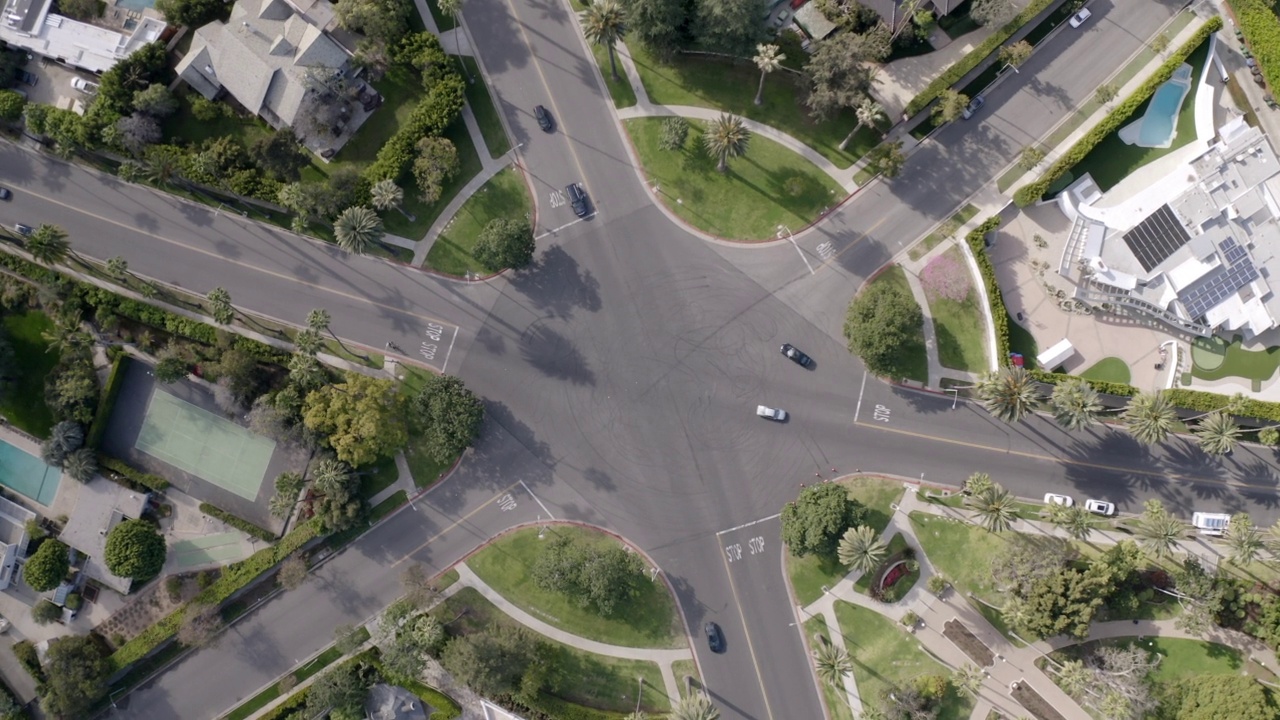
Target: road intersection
(620, 371)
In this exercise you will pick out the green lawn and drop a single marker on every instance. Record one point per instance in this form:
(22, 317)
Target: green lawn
(377, 477)
(1213, 359)
(301, 673)
(1111, 160)
(912, 363)
(648, 621)
(24, 404)
(731, 86)
(683, 668)
(624, 96)
(504, 195)
(767, 187)
(184, 126)
(958, 326)
(885, 656)
(424, 469)
(1182, 658)
(1109, 369)
(962, 552)
(600, 682)
(933, 239)
(809, 573)
(481, 102)
(837, 701)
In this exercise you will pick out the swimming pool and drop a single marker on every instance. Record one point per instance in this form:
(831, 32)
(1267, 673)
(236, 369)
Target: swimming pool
(135, 5)
(1158, 125)
(27, 474)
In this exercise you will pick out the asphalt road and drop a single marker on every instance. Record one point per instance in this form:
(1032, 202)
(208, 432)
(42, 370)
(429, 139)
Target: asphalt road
(622, 370)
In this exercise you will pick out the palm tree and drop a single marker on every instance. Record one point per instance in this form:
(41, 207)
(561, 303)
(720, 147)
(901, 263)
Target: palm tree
(695, 706)
(357, 229)
(1150, 417)
(1272, 540)
(66, 339)
(726, 137)
(767, 59)
(968, 678)
(307, 342)
(1158, 531)
(1077, 521)
(1075, 404)
(604, 24)
(453, 8)
(330, 475)
(220, 305)
(1217, 433)
(1009, 393)
(867, 112)
(281, 505)
(117, 267)
(978, 483)
(861, 549)
(305, 371)
(386, 194)
(996, 507)
(1243, 539)
(318, 322)
(81, 465)
(832, 661)
(48, 245)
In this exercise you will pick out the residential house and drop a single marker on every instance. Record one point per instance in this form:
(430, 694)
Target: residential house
(100, 506)
(32, 26)
(391, 702)
(13, 538)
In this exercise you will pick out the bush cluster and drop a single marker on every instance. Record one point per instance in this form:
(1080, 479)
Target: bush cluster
(974, 57)
(445, 707)
(1031, 192)
(122, 473)
(1261, 30)
(1103, 386)
(29, 659)
(294, 706)
(999, 314)
(429, 118)
(237, 522)
(235, 577)
(106, 403)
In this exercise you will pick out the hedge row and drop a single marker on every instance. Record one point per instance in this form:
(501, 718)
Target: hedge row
(429, 118)
(293, 706)
(234, 577)
(29, 659)
(105, 405)
(1033, 191)
(238, 522)
(121, 472)
(1103, 386)
(999, 315)
(1261, 30)
(1198, 401)
(974, 57)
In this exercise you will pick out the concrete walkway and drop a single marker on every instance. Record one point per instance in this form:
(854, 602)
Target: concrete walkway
(404, 481)
(1012, 664)
(663, 658)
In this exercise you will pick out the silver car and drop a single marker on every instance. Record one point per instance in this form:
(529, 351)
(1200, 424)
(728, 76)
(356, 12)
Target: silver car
(769, 413)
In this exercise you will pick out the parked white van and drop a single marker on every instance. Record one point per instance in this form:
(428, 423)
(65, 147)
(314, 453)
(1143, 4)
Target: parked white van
(1211, 523)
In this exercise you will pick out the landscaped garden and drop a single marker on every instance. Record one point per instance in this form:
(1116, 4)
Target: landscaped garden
(508, 565)
(1214, 359)
(886, 657)
(957, 312)
(730, 85)
(505, 195)
(766, 187)
(810, 573)
(23, 403)
(1108, 369)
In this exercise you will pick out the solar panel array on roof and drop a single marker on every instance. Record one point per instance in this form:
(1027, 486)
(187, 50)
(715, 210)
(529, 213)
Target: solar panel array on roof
(1232, 251)
(1217, 285)
(1157, 237)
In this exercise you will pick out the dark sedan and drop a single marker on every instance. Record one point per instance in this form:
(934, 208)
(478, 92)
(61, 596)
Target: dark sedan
(715, 638)
(796, 356)
(544, 118)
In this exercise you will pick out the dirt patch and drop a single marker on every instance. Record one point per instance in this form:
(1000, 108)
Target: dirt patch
(1031, 700)
(148, 606)
(969, 644)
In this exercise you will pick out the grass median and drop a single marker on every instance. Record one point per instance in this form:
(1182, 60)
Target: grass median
(504, 195)
(768, 186)
(647, 621)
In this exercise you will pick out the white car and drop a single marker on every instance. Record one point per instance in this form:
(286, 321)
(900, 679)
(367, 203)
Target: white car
(1078, 19)
(1100, 507)
(1056, 499)
(1211, 523)
(765, 411)
(88, 87)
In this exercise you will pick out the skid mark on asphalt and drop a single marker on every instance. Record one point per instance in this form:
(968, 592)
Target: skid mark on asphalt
(1158, 474)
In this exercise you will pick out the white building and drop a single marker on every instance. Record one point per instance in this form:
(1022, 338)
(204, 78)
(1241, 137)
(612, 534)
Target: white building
(29, 24)
(1201, 261)
(100, 506)
(13, 538)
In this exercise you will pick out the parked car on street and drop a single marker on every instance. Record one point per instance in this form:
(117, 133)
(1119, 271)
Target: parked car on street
(1100, 507)
(974, 106)
(1056, 499)
(1211, 523)
(1078, 19)
(769, 413)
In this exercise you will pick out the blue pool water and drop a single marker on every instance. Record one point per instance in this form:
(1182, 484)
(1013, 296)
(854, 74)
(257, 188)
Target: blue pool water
(27, 474)
(1160, 120)
(135, 5)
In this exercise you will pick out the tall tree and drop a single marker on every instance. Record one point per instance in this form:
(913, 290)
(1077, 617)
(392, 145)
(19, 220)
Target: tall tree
(1075, 404)
(860, 549)
(728, 26)
(814, 523)
(1217, 433)
(358, 229)
(996, 508)
(949, 106)
(48, 245)
(81, 465)
(1016, 54)
(1150, 417)
(281, 155)
(604, 24)
(362, 418)
(330, 475)
(832, 662)
(505, 243)
(726, 137)
(660, 26)
(386, 194)
(134, 550)
(887, 158)
(1158, 531)
(767, 59)
(117, 267)
(1243, 539)
(47, 567)
(220, 305)
(992, 12)
(1076, 520)
(1010, 393)
(339, 692)
(436, 162)
(840, 74)
(868, 113)
(881, 320)
(76, 675)
(190, 13)
(447, 417)
(968, 678)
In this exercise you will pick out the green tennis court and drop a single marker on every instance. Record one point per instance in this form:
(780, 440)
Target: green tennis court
(205, 445)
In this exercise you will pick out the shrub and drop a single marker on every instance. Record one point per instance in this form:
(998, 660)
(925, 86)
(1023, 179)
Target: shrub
(1103, 386)
(121, 472)
(429, 118)
(45, 612)
(1033, 191)
(11, 104)
(46, 569)
(910, 618)
(134, 550)
(109, 393)
(1261, 30)
(975, 57)
(238, 523)
(999, 314)
(29, 659)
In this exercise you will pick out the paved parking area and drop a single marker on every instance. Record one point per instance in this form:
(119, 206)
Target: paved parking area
(53, 84)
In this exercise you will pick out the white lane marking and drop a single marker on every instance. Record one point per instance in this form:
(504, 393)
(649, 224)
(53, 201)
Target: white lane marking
(535, 499)
(553, 231)
(860, 391)
(753, 522)
(448, 353)
(783, 231)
